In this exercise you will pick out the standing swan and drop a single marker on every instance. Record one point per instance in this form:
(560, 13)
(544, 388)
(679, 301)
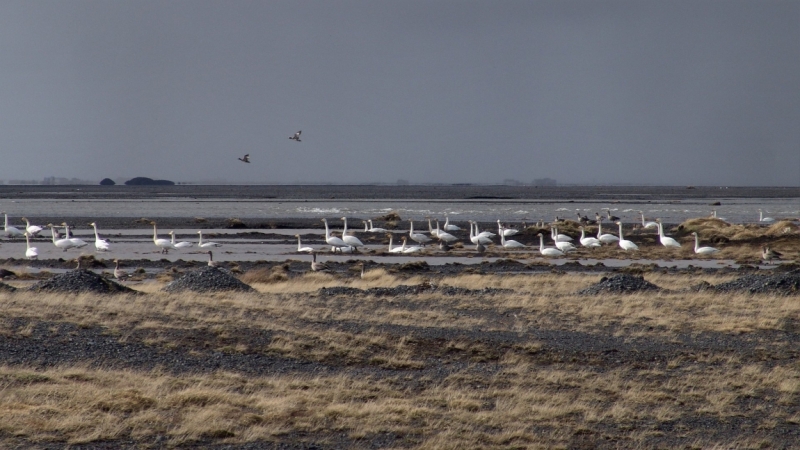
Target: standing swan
(605, 238)
(589, 241)
(448, 227)
(163, 244)
(352, 241)
(666, 241)
(30, 252)
(101, 245)
(63, 244)
(477, 240)
(702, 250)
(333, 241)
(182, 244)
(548, 251)
(648, 224)
(417, 237)
(10, 231)
(78, 242)
(507, 243)
(624, 243)
(34, 230)
(443, 235)
(300, 248)
(372, 229)
(564, 246)
(202, 244)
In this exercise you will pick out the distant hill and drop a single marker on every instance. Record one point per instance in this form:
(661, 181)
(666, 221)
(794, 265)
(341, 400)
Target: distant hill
(144, 181)
(107, 182)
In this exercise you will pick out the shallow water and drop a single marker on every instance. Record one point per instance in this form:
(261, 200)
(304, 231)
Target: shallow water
(671, 211)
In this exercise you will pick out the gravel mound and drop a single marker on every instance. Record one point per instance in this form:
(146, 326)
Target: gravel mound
(620, 284)
(405, 289)
(208, 279)
(6, 288)
(777, 284)
(78, 281)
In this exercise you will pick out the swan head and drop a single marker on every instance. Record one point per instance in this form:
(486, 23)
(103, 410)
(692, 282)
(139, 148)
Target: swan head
(297, 235)
(171, 232)
(694, 233)
(540, 234)
(343, 218)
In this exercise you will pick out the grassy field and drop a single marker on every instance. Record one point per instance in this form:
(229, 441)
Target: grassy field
(537, 368)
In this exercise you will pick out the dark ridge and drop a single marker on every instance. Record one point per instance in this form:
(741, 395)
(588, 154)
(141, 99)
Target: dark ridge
(80, 281)
(208, 279)
(620, 284)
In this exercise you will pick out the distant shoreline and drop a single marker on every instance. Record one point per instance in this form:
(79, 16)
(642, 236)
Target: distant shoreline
(367, 192)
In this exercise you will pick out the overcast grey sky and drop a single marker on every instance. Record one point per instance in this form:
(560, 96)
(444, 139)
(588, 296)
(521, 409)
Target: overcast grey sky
(665, 92)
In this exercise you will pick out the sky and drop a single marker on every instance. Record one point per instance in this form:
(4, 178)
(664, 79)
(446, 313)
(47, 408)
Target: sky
(643, 92)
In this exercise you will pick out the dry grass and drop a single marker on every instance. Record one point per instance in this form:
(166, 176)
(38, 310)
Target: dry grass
(387, 355)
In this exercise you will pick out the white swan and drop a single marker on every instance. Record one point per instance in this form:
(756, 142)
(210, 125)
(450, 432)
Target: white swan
(417, 237)
(164, 244)
(506, 231)
(624, 243)
(63, 244)
(33, 230)
(202, 244)
(352, 241)
(477, 240)
(761, 217)
(443, 235)
(605, 238)
(10, 231)
(548, 251)
(433, 232)
(589, 241)
(508, 243)
(373, 229)
(182, 244)
(396, 249)
(30, 252)
(565, 247)
(300, 248)
(666, 241)
(101, 245)
(647, 224)
(486, 234)
(448, 227)
(702, 250)
(412, 249)
(559, 237)
(333, 241)
(78, 242)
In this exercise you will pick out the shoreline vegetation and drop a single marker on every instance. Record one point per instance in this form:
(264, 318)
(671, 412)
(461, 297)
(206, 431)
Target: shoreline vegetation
(521, 362)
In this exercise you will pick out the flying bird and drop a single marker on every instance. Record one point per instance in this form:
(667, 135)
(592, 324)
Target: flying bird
(296, 136)
(245, 159)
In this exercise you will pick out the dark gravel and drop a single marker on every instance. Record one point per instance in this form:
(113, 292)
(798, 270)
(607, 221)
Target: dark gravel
(208, 279)
(777, 284)
(78, 281)
(620, 284)
(404, 289)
